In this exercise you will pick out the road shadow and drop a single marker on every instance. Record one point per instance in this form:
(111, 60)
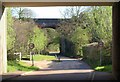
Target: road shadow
(68, 65)
(60, 76)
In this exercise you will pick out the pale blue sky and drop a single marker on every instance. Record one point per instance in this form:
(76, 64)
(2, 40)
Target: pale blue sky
(48, 12)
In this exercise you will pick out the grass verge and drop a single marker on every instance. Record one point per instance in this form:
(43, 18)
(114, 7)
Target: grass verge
(19, 66)
(39, 57)
(107, 68)
(95, 65)
(43, 57)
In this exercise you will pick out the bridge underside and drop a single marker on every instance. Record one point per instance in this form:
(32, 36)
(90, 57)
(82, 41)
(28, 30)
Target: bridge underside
(37, 3)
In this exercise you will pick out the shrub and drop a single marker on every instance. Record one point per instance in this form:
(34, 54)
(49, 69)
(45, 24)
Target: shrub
(91, 53)
(45, 52)
(53, 47)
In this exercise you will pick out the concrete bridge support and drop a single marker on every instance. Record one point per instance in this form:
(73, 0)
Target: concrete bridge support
(116, 41)
(3, 49)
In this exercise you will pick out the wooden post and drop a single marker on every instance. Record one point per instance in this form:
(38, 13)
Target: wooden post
(20, 56)
(116, 41)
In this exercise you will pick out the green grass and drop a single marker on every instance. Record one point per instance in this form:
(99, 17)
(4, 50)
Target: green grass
(107, 68)
(95, 65)
(43, 57)
(39, 57)
(19, 66)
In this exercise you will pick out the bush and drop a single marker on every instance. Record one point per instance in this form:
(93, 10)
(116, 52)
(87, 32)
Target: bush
(53, 38)
(92, 63)
(107, 68)
(91, 51)
(11, 55)
(91, 55)
(45, 52)
(39, 39)
(53, 47)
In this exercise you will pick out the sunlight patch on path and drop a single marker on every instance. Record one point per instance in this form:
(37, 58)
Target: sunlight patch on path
(58, 72)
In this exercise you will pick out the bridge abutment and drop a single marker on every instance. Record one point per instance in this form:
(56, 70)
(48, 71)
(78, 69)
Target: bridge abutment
(3, 49)
(116, 41)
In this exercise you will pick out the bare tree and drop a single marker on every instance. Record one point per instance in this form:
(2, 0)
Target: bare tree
(72, 19)
(24, 32)
(22, 13)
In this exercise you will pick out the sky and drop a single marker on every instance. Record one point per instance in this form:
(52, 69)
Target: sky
(48, 12)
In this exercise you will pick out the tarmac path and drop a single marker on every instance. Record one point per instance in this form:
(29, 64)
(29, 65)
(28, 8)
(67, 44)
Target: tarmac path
(66, 69)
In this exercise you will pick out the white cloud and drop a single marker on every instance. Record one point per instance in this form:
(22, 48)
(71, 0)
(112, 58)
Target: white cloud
(47, 12)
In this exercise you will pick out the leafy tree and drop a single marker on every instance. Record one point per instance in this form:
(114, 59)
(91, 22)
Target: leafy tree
(39, 39)
(94, 23)
(99, 26)
(79, 38)
(10, 30)
(10, 35)
(52, 39)
(101, 23)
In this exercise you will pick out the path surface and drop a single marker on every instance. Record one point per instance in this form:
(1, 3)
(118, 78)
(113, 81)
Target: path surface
(67, 69)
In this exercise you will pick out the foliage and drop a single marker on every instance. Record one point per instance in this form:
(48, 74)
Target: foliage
(94, 23)
(72, 31)
(39, 39)
(24, 32)
(18, 34)
(107, 68)
(66, 28)
(51, 34)
(92, 63)
(52, 39)
(72, 20)
(53, 47)
(10, 30)
(91, 54)
(20, 66)
(10, 35)
(100, 25)
(79, 39)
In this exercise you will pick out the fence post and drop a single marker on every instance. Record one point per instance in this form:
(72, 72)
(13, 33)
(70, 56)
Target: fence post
(20, 56)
